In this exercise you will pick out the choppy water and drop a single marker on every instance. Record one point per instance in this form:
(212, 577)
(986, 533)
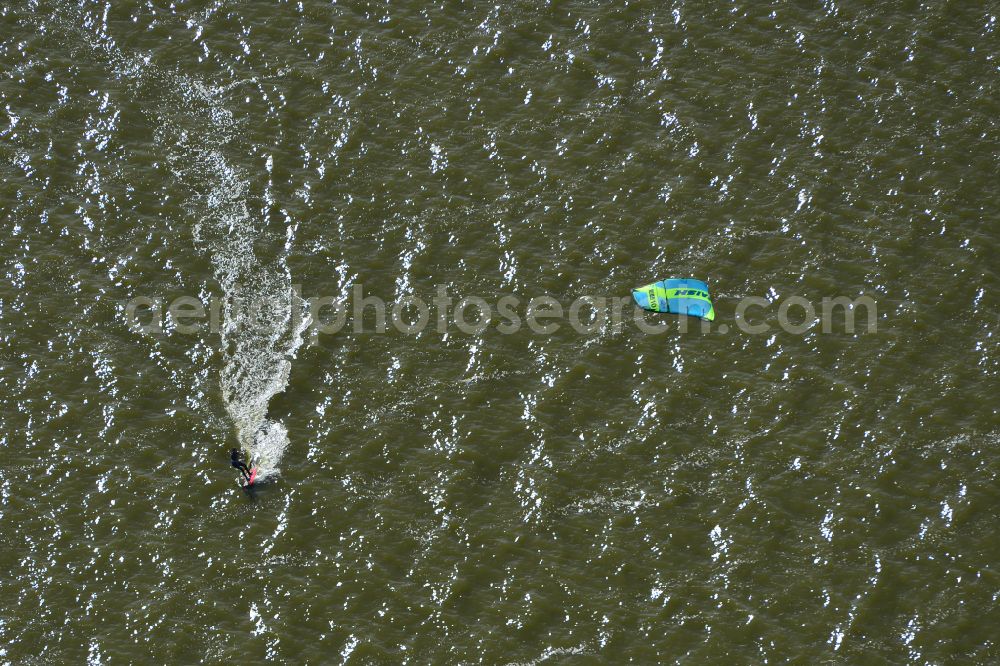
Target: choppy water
(599, 497)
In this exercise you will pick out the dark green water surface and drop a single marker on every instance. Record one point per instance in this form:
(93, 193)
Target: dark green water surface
(568, 498)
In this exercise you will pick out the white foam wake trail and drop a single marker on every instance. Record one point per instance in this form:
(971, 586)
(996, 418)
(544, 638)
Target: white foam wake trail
(263, 320)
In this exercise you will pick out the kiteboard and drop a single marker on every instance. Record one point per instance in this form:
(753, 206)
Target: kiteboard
(685, 296)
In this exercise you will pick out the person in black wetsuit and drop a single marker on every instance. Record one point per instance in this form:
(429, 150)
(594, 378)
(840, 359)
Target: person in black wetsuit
(234, 456)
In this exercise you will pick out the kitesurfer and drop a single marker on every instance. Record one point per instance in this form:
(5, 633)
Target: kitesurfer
(239, 464)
